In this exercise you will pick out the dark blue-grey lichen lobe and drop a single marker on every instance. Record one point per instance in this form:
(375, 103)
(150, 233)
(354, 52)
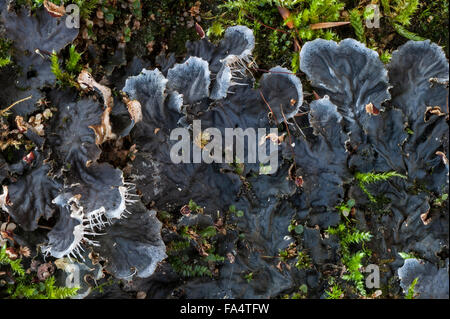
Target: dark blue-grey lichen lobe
(31, 196)
(432, 282)
(133, 246)
(35, 35)
(352, 75)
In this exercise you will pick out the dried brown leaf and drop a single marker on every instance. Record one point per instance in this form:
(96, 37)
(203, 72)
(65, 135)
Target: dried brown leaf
(54, 10)
(324, 25)
(285, 14)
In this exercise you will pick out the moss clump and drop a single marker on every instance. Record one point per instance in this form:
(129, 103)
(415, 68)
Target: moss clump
(5, 47)
(24, 285)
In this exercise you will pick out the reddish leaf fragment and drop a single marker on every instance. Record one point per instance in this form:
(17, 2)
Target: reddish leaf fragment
(371, 109)
(316, 96)
(185, 210)
(199, 30)
(29, 158)
(299, 181)
(6, 235)
(297, 46)
(44, 271)
(285, 13)
(11, 253)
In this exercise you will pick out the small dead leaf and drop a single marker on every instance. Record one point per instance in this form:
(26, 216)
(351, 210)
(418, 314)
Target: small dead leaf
(150, 46)
(47, 114)
(44, 271)
(353, 211)
(377, 293)
(316, 96)
(195, 9)
(279, 266)
(275, 138)
(442, 155)
(230, 257)
(141, 295)
(21, 124)
(297, 46)
(11, 253)
(432, 110)
(199, 30)
(299, 181)
(24, 251)
(54, 10)
(29, 158)
(87, 83)
(99, 14)
(285, 14)
(103, 131)
(135, 110)
(185, 210)
(202, 139)
(425, 218)
(94, 257)
(6, 235)
(371, 109)
(4, 198)
(8, 227)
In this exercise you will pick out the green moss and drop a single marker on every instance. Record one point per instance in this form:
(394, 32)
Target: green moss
(276, 40)
(249, 277)
(5, 52)
(67, 76)
(431, 22)
(24, 287)
(193, 254)
(349, 237)
(440, 201)
(357, 24)
(411, 293)
(370, 178)
(303, 261)
(334, 292)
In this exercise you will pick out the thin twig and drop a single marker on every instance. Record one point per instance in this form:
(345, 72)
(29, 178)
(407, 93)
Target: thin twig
(274, 116)
(17, 102)
(289, 135)
(44, 227)
(298, 127)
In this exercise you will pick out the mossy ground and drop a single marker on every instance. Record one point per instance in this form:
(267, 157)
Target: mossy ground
(148, 28)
